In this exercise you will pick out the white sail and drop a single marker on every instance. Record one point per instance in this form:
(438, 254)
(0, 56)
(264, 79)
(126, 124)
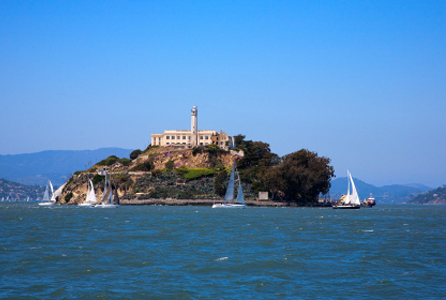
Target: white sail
(354, 197)
(53, 199)
(347, 197)
(46, 194)
(240, 198)
(107, 196)
(91, 196)
(229, 196)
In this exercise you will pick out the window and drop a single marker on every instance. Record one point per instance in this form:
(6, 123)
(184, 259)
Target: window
(207, 137)
(167, 137)
(184, 137)
(201, 137)
(173, 137)
(201, 144)
(178, 137)
(189, 137)
(167, 143)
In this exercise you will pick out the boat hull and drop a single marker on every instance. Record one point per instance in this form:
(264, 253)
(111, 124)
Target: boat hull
(107, 206)
(346, 207)
(47, 203)
(228, 205)
(85, 204)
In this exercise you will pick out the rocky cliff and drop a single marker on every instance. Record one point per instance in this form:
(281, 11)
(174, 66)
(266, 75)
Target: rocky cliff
(433, 197)
(157, 172)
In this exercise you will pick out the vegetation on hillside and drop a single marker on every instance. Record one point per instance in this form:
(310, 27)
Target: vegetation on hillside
(19, 191)
(297, 177)
(159, 172)
(437, 196)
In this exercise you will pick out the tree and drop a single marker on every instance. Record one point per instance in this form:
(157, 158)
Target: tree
(257, 159)
(238, 139)
(219, 181)
(300, 177)
(135, 154)
(169, 165)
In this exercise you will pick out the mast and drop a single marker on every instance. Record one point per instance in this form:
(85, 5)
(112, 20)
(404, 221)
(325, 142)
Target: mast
(104, 195)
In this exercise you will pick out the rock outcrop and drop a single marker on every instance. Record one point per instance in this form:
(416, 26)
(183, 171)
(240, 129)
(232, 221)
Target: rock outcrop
(139, 178)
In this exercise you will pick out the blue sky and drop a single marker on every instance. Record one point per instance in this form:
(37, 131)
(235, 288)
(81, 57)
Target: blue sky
(361, 82)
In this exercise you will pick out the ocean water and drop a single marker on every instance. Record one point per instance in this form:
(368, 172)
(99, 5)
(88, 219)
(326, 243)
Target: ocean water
(158, 252)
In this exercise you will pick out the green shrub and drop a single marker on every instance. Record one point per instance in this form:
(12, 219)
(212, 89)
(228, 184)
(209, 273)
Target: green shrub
(196, 150)
(77, 172)
(68, 197)
(97, 178)
(121, 178)
(169, 165)
(108, 161)
(188, 194)
(257, 187)
(160, 193)
(135, 154)
(157, 172)
(181, 170)
(149, 147)
(145, 166)
(219, 182)
(125, 161)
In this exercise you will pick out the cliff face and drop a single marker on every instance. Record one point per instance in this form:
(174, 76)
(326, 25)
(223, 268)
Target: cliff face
(186, 158)
(434, 197)
(143, 177)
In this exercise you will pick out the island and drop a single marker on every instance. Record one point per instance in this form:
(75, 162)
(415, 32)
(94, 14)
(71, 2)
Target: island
(199, 175)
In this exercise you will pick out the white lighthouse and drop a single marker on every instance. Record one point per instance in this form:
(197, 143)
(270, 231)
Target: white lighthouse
(194, 128)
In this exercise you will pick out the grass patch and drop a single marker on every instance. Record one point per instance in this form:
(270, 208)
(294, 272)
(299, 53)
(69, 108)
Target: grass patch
(190, 174)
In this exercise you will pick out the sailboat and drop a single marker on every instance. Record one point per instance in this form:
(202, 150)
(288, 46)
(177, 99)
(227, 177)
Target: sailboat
(228, 201)
(91, 196)
(350, 201)
(48, 195)
(107, 196)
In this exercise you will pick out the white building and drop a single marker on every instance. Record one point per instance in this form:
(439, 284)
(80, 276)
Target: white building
(182, 139)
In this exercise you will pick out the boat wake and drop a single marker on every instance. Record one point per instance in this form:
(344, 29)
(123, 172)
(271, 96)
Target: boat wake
(222, 258)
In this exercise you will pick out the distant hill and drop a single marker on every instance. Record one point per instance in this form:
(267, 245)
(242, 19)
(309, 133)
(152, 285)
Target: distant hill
(433, 197)
(15, 190)
(56, 165)
(388, 194)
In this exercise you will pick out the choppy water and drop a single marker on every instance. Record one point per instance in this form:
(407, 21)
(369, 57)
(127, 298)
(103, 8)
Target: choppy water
(154, 252)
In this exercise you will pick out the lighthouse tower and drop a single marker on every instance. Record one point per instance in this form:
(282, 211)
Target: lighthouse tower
(194, 128)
